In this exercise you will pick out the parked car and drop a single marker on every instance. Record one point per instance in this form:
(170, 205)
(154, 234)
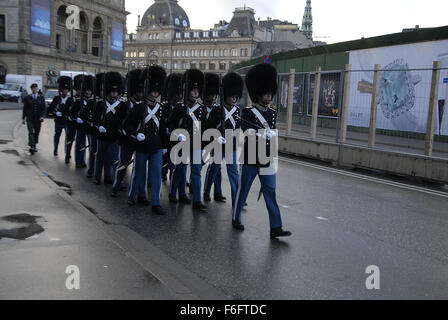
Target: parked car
(49, 95)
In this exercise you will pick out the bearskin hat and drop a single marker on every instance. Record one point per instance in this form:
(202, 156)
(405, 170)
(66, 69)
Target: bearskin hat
(261, 79)
(211, 84)
(99, 81)
(114, 82)
(195, 80)
(88, 83)
(156, 76)
(173, 86)
(232, 85)
(77, 82)
(134, 84)
(64, 82)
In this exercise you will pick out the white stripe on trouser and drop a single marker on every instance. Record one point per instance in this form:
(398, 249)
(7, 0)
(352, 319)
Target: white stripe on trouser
(238, 193)
(206, 177)
(133, 174)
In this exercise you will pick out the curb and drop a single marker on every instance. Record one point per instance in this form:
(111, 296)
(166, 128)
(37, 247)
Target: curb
(135, 246)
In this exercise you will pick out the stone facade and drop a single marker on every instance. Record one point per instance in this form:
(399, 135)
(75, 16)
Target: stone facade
(20, 56)
(216, 50)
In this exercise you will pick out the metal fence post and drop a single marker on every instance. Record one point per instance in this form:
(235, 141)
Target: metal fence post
(290, 101)
(345, 102)
(374, 106)
(315, 103)
(433, 100)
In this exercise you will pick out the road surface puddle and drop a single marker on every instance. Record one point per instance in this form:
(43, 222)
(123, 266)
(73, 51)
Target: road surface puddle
(20, 226)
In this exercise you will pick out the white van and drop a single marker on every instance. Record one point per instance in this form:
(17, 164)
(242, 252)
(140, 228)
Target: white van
(17, 86)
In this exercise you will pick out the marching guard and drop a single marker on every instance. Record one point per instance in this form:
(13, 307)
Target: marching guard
(260, 119)
(227, 117)
(191, 116)
(83, 83)
(172, 96)
(125, 141)
(212, 177)
(55, 110)
(70, 119)
(147, 122)
(104, 119)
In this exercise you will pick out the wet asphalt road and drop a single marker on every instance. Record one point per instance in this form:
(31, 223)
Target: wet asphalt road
(342, 222)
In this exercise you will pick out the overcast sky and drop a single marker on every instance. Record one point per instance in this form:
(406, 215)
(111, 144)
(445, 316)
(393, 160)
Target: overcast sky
(334, 20)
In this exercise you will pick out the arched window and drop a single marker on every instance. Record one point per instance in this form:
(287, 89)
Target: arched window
(82, 33)
(62, 34)
(97, 37)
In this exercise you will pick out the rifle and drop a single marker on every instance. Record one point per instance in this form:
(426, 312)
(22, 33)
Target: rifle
(222, 102)
(185, 93)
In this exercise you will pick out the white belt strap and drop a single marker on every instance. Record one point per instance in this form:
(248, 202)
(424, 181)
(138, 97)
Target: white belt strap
(111, 108)
(152, 115)
(261, 118)
(208, 112)
(193, 116)
(229, 116)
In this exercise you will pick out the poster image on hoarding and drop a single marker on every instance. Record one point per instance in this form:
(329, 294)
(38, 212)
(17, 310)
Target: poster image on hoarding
(298, 99)
(405, 84)
(328, 95)
(117, 41)
(40, 22)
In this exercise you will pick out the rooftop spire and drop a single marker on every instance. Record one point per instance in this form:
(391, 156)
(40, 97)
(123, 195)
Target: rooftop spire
(307, 22)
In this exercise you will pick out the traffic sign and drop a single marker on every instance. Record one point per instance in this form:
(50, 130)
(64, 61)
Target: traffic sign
(267, 59)
(445, 80)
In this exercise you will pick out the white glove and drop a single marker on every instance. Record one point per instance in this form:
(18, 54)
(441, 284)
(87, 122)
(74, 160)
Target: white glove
(181, 138)
(141, 137)
(270, 134)
(58, 114)
(164, 151)
(79, 120)
(222, 140)
(102, 129)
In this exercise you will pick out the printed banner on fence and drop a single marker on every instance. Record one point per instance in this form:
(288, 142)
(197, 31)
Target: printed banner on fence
(328, 94)
(403, 103)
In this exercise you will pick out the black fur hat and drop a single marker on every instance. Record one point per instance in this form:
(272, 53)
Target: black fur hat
(114, 82)
(173, 86)
(77, 82)
(99, 80)
(195, 80)
(134, 83)
(232, 85)
(211, 84)
(261, 79)
(88, 83)
(156, 76)
(64, 82)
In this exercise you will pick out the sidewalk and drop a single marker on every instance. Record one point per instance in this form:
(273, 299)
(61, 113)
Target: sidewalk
(113, 261)
(5, 105)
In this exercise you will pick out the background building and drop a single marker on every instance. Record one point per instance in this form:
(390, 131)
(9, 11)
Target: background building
(34, 38)
(164, 37)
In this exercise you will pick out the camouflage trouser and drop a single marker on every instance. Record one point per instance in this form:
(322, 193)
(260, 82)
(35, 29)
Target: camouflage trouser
(33, 132)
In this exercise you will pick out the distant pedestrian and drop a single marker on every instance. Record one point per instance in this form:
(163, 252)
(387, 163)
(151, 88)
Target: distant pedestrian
(33, 114)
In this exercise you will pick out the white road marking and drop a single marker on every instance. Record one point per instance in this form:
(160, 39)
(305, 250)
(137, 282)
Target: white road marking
(372, 179)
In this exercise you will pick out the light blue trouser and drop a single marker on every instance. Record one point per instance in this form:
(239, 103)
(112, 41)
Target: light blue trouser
(80, 143)
(214, 172)
(125, 156)
(70, 135)
(107, 158)
(93, 143)
(138, 179)
(213, 177)
(58, 127)
(178, 181)
(268, 186)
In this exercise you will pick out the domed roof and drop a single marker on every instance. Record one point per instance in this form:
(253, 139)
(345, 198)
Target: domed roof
(166, 13)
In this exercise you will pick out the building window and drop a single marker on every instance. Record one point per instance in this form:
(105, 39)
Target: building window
(192, 53)
(202, 66)
(185, 66)
(165, 53)
(58, 41)
(205, 34)
(165, 35)
(215, 34)
(222, 66)
(212, 66)
(196, 34)
(141, 54)
(175, 65)
(165, 65)
(193, 65)
(95, 51)
(127, 54)
(234, 53)
(177, 35)
(186, 35)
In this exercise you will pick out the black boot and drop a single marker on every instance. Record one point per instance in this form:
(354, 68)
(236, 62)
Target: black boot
(207, 198)
(237, 225)
(131, 202)
(55, 153)
(184, 199)
(143, 201)
(114, 193)
(279, 232)
(220, 198)
(158, 210)
(199, 206)
(172, 198)
(89, 174)
(108, 180)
